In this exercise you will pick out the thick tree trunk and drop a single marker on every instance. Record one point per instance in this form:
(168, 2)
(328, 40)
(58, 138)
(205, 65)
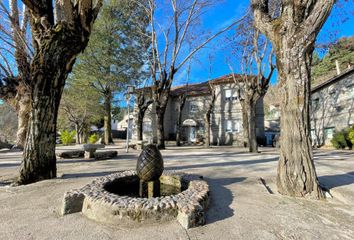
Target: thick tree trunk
(296, 169)
(23, 112)
(108, 119)
(179, 128)
(140, 124)
(39, 156)
(84, 134)
(160, 130)
(245, 124)
(207, 129)
(56, 48)
(182, 101)
(77, 130)
(252, 136)
(293, 35)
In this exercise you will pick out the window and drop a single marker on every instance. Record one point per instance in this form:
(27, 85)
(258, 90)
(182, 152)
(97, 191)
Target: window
(193, 108)
(232, 126)
(230, 94)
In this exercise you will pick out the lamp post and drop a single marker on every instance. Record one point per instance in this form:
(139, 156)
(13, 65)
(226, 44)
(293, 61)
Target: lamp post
(130, 91)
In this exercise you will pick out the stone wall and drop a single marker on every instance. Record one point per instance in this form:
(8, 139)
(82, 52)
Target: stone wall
(225, 110)
(332, 108)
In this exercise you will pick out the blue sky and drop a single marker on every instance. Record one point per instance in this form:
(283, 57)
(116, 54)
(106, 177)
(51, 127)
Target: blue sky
(229, 10)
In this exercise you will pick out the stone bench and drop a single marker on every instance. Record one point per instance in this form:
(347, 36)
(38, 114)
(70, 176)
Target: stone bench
(105, 155)
(90, 149)
(71, 154)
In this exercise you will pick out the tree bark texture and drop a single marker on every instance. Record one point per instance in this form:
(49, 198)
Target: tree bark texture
(182, 101)
(293, 36)
(56, 47)
(108, 119)
(139, 126)
(245, 123)
(23, 112)
(252, 136)
(208, 116)
(77, 133)
(160, 114)
(19, 98)
(249, 120)
(296, 170)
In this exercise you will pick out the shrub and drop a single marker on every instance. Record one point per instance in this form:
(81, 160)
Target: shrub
(342, 140)
(93, 138)
(67, 137)
(351, 135)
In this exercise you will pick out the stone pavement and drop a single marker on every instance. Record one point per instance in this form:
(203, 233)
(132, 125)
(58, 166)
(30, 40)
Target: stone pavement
(241, 207)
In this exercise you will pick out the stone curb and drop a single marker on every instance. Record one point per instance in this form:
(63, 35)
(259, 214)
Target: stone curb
(188, 207)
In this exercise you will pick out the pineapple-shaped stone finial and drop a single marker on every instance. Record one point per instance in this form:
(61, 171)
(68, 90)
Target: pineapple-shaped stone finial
(150, 164)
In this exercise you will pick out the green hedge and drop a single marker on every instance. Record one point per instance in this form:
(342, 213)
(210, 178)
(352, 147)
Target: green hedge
(343, 139)
(67, 137)
(94, 138)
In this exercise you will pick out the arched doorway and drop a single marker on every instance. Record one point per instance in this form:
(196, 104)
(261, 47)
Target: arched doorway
(192, 133)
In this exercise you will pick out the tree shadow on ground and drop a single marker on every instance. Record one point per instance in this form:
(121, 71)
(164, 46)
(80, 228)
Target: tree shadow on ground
(82, 160)
(90, 174)
(6, 165)
(332, 181)
(220, 198)
(222, 164)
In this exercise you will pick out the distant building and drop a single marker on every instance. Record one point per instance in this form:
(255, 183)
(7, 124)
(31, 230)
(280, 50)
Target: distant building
(226, 117)
(271, 123)
(332, 107)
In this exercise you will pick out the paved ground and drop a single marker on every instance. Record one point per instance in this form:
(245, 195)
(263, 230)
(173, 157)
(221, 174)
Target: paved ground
(241, 207)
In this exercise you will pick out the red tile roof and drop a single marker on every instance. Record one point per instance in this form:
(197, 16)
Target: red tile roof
(199, 88)
(191, 89)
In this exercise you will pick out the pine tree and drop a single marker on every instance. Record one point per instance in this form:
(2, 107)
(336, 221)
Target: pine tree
(116, 53)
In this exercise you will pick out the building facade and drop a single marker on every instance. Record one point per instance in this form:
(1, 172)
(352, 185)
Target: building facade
(226, 117)
(332, 107)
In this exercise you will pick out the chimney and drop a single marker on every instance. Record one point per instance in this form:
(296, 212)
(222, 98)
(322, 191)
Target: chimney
(337, 66)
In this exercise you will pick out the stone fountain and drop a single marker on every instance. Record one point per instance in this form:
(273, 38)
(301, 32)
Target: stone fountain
(148, 194)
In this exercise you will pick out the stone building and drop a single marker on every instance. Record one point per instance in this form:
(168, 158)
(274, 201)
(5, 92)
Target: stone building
(332, 107)
(226, 117)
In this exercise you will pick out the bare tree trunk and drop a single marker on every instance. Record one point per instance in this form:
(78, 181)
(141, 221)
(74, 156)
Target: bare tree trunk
(108, 119)
(160, 129)
(39, 156)
(245, 123)
(252, 140)
(77, 130)
(293, 37)
(296, 169)
(179, 129)
(23, 112)
(56, 47)
(208, 115)
(207, 129)
(85, 133)
(140, 125)
(182, 101)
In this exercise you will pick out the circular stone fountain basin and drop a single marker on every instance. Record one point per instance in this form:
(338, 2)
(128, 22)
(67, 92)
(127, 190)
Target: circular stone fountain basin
(115, 199)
